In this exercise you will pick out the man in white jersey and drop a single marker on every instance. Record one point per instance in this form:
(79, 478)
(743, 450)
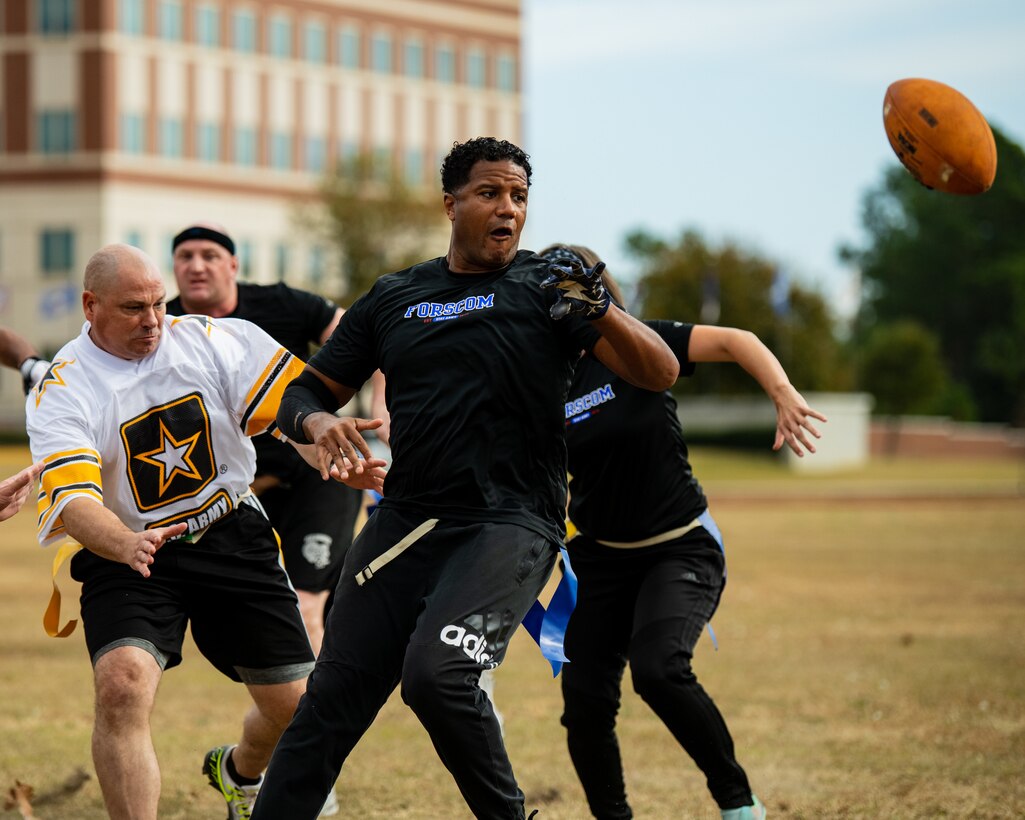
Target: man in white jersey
(142, 424)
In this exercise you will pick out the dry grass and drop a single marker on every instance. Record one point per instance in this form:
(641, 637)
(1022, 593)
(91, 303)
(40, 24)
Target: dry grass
(870, 666)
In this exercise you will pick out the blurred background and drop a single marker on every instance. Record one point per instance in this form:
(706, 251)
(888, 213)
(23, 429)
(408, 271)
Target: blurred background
(729, 163)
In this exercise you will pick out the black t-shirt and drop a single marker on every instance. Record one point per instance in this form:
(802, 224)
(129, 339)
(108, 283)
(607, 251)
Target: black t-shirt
(630, 478)
(295, 319)
(476, 373)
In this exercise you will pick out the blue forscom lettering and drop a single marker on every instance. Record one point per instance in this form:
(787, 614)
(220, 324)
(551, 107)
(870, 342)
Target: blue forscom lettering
(582, 404)
(443, 310)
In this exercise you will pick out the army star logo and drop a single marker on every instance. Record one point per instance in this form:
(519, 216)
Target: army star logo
(169, 452)
(172, 457)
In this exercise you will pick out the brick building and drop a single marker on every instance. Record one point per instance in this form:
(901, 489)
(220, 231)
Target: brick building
(122, 120)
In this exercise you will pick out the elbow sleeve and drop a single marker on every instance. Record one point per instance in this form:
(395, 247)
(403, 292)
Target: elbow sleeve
(304, 396)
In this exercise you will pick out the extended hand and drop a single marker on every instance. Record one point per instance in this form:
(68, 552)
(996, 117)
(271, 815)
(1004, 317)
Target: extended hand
(580, 290)
(371, 477)
(14, 490)
(792, 422)
(138, 552)
(340, 444)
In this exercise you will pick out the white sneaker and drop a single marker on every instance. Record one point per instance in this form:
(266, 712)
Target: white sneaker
(240, 799)
(330, 805)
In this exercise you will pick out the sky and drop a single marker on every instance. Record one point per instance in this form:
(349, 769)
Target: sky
(752, 121)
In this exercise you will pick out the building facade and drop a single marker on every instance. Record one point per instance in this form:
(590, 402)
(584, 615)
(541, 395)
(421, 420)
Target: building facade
(124, 120)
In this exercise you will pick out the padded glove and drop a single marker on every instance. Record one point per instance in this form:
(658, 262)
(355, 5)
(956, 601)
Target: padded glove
(579, 289)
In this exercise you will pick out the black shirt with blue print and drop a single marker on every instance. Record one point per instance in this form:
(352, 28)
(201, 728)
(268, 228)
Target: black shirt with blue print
(630, 477)
(477, 374)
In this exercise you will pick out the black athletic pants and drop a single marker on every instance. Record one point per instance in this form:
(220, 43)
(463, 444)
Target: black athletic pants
(647, 606)
(433, 619)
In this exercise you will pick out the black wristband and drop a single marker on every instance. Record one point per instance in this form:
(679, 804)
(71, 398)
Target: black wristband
(304, 396)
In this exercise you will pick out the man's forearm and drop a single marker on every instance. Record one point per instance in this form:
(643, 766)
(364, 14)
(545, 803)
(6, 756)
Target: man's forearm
(96, 528)
(635, 352)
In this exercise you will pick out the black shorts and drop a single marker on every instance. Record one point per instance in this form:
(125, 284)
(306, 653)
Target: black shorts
(315, 520)
(230, 585)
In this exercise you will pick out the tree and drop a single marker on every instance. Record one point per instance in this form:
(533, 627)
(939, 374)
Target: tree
(956, 265)
(901, 367)
(376, 223)
(727, 285)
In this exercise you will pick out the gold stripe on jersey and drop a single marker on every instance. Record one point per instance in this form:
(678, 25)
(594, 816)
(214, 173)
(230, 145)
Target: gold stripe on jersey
(265, 395)
(75, 472)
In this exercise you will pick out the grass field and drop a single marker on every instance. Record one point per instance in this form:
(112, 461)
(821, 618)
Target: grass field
(871, 664)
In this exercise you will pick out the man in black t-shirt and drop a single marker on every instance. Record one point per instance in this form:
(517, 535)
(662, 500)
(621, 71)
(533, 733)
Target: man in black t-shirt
(466, 535)
(313, 518)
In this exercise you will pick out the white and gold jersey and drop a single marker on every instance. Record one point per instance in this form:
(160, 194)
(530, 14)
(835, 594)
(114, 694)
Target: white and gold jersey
(158, 440)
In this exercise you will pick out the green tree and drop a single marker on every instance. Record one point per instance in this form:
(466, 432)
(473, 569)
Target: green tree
(690, 280)
(956, 265)
(377, 223)
(900, 366)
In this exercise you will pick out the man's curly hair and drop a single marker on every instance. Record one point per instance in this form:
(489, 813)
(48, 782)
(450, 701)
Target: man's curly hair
(456, 167)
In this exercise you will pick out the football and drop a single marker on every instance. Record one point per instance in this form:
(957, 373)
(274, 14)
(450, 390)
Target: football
(939, 136)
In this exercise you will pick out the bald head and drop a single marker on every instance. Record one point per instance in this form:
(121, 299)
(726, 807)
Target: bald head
(123, 300)
(111, 264)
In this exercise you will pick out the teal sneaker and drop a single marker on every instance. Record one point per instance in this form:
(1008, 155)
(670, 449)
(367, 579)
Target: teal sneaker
(755, 812)
(240, 799)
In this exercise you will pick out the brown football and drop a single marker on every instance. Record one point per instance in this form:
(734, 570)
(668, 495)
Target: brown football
(939, 136)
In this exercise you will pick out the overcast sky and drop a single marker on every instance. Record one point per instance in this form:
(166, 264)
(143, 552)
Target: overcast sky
(758, 121)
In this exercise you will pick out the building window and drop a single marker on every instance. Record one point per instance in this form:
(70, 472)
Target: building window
(281, 150)
(56, 132)
(444, 64)
(348, 151)
(245, 145)
(57, 252)
(56, 16)
(315, 154)
(380, 53)
(245, 259)
(170, 141)
(243, 24)
(208, 141)
(382, 163)
(132, 17)
(476, 74)
(348, 47)
(208, 26)
(279, 36)
(133, 133)
(413, 167)
(281, 261)
(133, 237)
(169, 20)
(316, 272)
(413, 59)
(506, 71)
(315, 42)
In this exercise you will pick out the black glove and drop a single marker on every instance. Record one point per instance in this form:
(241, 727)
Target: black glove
(580, 290)
(32, 370)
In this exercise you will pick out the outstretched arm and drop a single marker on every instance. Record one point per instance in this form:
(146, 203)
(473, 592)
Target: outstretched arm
(99, 530)
(709, 343)
(307, 415)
